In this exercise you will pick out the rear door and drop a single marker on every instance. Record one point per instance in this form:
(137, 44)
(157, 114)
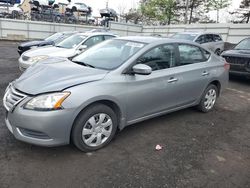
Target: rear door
(192, 73)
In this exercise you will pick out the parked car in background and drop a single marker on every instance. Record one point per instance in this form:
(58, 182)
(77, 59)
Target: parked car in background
(10, 10)
(114, 84)
(78, 6)
(212, 41)
(68, 48)
(51, 40)
(239, 58)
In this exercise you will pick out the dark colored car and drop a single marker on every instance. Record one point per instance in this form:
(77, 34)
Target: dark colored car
(10, 1)
(51, 40)
(239, 58)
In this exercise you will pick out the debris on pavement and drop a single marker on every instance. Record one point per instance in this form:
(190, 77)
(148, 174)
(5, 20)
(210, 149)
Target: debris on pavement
(158, 147)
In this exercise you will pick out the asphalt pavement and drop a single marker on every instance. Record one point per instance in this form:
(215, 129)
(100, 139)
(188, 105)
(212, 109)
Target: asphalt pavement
(199, 150)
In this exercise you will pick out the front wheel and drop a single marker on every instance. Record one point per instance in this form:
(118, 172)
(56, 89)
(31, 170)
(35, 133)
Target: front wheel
(208, 99)
(94, 128)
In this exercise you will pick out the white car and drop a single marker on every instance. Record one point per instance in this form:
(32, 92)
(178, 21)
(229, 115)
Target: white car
(78, 6)
(68, 48)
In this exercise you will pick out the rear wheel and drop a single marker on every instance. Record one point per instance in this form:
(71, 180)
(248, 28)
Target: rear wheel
(208, 99)
(94, 128)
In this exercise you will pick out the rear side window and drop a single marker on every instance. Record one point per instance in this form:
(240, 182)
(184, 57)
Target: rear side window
(217, 38)
(190, 54)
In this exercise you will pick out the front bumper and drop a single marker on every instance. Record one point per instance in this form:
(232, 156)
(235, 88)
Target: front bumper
(239, 73)
(50, 128)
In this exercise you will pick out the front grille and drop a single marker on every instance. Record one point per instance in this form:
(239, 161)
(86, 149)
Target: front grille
(237, 60)
(238, 63)
(12, 97)
(25, 58)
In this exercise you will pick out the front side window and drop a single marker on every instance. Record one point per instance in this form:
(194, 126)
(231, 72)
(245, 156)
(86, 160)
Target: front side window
(161, 57)
(93, 40)
(190, 54)
(107, 37)
(72, 42)
(209, 38)
(109, 54)
(201, 39)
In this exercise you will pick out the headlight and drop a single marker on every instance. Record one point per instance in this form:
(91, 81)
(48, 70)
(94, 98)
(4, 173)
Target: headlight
(52, 101)
(37, 58)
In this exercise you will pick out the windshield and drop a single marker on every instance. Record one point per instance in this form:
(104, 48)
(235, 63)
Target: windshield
(109, 55)
(243, 45)
(71, 42)
(54, 37)
(61, 38)
(184, 36)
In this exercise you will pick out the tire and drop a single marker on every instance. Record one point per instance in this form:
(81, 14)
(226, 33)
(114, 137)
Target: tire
(208, 99)
(87, 132)
(217, 52)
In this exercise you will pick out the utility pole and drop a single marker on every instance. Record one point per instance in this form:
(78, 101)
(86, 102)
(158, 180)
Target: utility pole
(186, 11)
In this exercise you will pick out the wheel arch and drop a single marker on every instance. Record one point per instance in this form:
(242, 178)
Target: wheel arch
(110, 103)
(217, 84)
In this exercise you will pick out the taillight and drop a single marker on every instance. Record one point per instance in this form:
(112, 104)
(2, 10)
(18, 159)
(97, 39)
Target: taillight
(226, 65)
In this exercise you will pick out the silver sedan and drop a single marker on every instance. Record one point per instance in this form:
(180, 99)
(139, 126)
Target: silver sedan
(112, 85)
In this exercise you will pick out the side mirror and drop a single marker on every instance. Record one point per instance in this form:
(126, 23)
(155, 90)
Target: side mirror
(142, 69)
(82, 47)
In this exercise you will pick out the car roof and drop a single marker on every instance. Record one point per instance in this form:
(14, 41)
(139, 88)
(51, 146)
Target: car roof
(141, 39)
(95, 33)
(197, 32)
(151, 39)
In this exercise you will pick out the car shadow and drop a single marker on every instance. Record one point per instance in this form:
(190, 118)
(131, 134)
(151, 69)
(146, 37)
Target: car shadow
(240, 79)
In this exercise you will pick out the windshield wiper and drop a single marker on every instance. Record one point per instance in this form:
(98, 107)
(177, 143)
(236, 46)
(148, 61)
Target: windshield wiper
(84, 64)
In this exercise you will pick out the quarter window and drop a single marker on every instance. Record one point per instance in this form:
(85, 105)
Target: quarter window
(158, 58)
(217, 38)
(190, 54)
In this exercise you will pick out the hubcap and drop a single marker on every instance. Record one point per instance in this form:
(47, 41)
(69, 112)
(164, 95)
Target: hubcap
(97, 129)
(210, 99)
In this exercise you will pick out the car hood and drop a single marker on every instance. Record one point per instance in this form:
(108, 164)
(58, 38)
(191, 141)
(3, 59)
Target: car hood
(32, 43)
(56, 74)
(51, 51)
(237, 53)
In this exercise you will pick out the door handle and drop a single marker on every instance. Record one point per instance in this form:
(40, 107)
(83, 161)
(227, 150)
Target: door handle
(171, 80)
(205, 73)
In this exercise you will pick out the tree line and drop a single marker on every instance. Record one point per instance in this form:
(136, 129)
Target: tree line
(165, 12)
